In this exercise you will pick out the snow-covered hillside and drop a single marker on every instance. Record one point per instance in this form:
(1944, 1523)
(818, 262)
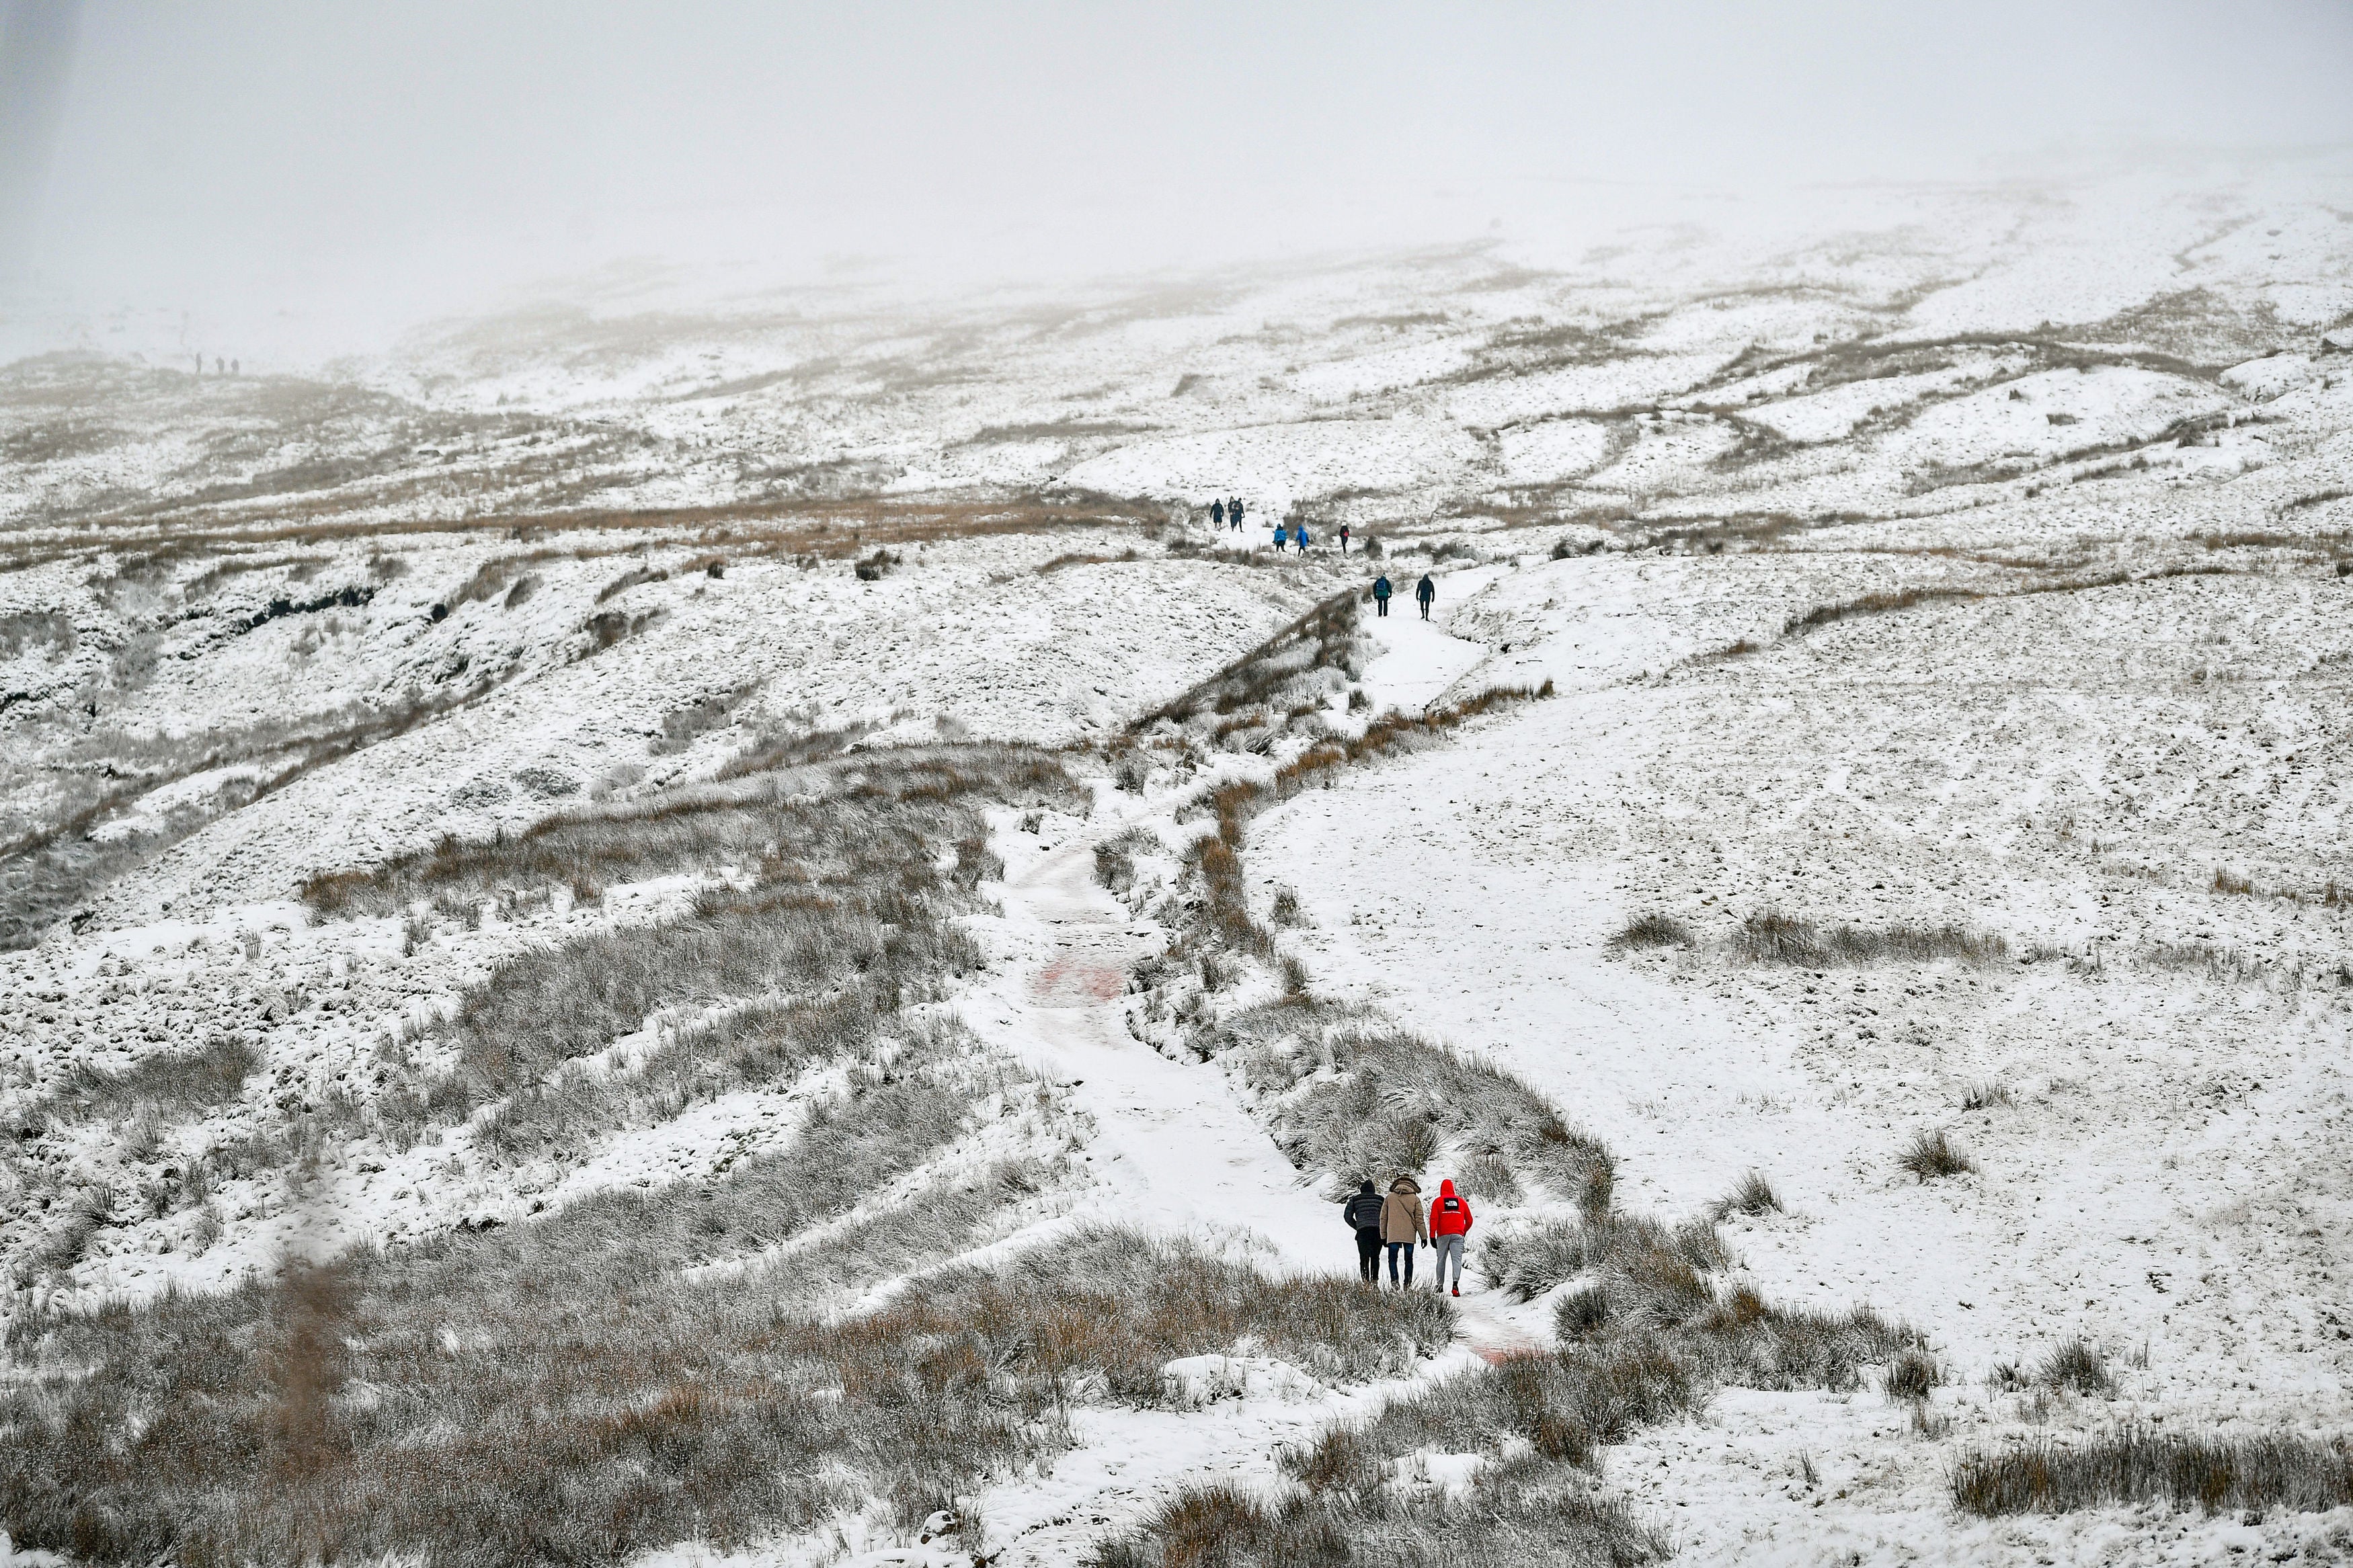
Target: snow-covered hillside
(775, 836)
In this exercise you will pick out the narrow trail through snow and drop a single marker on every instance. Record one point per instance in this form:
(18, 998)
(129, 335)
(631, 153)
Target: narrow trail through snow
(1177, 1148)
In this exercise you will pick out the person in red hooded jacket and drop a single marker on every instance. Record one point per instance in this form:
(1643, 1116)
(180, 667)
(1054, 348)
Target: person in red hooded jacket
(1450, 1222)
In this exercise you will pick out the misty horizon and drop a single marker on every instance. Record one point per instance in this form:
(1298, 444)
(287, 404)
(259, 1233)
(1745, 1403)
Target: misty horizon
(309, 183)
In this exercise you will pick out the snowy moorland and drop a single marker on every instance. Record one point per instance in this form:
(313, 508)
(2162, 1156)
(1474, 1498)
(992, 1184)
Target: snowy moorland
(678, 929)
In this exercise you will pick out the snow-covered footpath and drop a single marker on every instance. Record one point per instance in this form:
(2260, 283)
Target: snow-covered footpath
(1962, 590)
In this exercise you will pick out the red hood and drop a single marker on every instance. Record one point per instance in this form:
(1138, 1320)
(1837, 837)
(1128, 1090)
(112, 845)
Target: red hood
(1446, 1189)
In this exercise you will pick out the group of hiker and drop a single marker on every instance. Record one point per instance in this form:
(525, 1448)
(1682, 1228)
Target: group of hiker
(1423, 591)
(1226, 515)
(1398, 1224)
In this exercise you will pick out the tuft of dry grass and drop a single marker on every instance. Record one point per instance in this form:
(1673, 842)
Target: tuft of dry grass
(1986, 1094)
(1913, 1375)
(2077, 1367)
(1753, 1195)
(1771, 937)
(1876, 603)
(2224, 966)
(1931, 1155)
(2172, 1470)
(1649, 930)
(172, 1085)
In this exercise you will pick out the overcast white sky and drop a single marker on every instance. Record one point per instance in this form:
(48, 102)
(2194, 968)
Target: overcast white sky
(416, 154)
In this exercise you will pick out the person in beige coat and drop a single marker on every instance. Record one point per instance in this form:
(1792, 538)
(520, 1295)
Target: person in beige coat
(1403, 1227)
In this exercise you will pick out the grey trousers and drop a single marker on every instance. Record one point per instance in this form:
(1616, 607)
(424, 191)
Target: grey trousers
(1448, 1246)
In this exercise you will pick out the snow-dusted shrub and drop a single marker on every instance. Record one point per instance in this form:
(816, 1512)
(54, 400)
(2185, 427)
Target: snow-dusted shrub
(2174, 1469)
(1488, 1177)
(1581, 1314)
(1528, 1257)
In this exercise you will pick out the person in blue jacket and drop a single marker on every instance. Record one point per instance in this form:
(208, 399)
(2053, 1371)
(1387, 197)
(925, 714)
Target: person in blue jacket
(1281, 538)
(1299, 537)
(1380, 596)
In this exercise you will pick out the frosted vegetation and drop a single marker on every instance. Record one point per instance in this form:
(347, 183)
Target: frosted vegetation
(694, 933)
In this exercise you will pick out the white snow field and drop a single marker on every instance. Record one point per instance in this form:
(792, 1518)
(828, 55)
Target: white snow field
(788, 801)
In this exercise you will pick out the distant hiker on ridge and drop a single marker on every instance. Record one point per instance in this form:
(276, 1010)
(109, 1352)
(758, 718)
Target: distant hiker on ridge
(1362, 1212)
(1343, 539)
(1217, 514)
(1403, 1227)
(1380, 596)
(1449, 1222)
(1424, 591)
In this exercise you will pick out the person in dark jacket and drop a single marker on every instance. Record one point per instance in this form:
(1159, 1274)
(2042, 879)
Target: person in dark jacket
(1234, 512)
(1217, 514)
(1424, 591)
(1403, 1227)
(1362, 1212)
(1343, 539)
(1380, 596)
